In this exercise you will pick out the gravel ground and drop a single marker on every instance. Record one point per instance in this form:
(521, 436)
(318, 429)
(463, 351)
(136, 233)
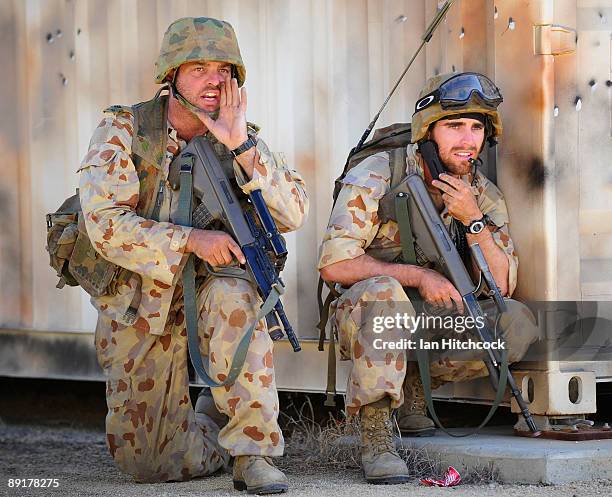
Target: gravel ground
(79, 460)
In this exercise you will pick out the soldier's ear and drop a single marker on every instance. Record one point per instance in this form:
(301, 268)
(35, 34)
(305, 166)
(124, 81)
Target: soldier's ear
(171, 76)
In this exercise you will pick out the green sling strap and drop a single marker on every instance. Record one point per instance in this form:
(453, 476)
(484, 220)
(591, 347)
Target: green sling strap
(189, 295)
(423, 361)
(409, 256)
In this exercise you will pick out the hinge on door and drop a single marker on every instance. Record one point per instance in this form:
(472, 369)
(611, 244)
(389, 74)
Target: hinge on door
(554, 39)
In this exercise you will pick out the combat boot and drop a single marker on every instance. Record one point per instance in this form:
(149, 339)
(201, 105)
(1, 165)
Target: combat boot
(380, 461)
(206, 405)
(258, 475)
(412, 415)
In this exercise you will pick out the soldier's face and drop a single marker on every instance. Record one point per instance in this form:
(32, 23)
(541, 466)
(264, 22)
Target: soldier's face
(458, 140)
(200, 83)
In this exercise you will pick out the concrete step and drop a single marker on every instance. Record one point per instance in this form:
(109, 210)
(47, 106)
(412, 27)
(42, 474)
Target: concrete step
(518, 459)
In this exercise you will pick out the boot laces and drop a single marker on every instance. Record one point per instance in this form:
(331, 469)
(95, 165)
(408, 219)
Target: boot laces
(380, 435)
(417, 397)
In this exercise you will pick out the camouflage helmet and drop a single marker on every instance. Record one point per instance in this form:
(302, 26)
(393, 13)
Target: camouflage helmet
(192, 39)
(422, 119)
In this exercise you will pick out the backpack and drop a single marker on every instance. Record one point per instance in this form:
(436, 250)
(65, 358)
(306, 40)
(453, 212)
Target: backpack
(71, 253)
(393, 139)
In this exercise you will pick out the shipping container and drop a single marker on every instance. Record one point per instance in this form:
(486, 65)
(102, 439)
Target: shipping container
(318, 71)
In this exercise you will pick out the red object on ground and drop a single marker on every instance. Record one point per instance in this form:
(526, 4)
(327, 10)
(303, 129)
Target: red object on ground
(451, 479)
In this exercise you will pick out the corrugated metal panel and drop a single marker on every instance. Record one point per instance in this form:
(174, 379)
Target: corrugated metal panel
(317, 71)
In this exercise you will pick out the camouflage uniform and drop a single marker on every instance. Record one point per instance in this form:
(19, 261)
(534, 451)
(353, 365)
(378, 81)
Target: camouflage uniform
(152, 431)
(354, 229)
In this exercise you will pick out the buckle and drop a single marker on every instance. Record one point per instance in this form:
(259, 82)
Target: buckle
(187, 164)
(129, 317)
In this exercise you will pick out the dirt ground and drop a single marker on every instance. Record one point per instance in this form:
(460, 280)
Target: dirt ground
(54, 429)
(78, 459)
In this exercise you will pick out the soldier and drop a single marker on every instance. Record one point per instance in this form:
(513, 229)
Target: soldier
(362, 256)
(152, 430)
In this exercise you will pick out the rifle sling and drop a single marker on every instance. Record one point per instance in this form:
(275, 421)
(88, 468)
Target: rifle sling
(189, 297)
(423, 361)
(409, 256)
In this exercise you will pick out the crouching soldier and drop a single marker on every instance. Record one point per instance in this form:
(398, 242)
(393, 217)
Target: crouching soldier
(361, 256)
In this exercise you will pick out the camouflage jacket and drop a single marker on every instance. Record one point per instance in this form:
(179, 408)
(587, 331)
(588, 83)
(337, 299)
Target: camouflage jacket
(109, 192)
(354, 228)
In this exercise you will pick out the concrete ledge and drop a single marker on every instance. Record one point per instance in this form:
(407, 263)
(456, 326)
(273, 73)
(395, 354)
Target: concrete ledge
(521, 460)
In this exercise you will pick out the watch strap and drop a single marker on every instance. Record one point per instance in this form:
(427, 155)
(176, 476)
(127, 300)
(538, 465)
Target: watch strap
(248, 144)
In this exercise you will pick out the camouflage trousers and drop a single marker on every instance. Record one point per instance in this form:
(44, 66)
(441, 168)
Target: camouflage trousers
(375, 374)
(152, 430)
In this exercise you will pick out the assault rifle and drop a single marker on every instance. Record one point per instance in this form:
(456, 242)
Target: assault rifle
(410, 203)
(253, 228)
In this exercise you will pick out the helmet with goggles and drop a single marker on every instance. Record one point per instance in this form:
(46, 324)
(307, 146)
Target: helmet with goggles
(455, 94)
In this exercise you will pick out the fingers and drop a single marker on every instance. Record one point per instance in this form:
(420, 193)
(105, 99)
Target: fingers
(235, 92)
(451, 180)
(225, 256)
(223, 90)
(243, 99)
(456, 298)
(235, 249)
(446, 302)
(441, 185)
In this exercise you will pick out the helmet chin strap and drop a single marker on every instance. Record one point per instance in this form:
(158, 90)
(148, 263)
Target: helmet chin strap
(185, 103)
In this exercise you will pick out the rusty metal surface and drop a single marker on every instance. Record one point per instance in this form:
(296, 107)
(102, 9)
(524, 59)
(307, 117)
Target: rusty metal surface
(571, 435)
(318, 71)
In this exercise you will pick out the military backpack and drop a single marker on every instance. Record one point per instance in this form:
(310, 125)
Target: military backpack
(71, 252)
(393, 139)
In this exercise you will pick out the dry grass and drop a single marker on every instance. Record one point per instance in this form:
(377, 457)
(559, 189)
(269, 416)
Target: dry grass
(333, 444)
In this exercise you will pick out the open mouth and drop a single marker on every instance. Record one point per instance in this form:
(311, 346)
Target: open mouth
(210, 96)
(464, 155)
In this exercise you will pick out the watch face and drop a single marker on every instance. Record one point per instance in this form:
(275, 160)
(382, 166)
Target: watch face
(476, 227)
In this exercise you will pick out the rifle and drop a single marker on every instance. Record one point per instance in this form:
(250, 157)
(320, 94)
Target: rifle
(253, 229)
(409, 203)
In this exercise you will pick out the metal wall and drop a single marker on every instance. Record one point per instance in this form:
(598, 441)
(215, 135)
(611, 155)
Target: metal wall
(317, 71)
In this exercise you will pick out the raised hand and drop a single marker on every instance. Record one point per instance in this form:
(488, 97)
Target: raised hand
(230, 127)
(458, 198)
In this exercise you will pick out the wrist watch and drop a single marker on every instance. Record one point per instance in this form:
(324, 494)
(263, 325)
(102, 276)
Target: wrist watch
(477, 226)
(248, 144)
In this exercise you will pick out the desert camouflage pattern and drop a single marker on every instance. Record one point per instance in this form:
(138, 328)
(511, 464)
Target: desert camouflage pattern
(152, 432)
(378, 373)
(192, 39)
(355, 229)
(109, 192)
(422, 119)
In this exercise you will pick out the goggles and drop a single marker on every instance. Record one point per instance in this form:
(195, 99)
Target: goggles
(457, 92)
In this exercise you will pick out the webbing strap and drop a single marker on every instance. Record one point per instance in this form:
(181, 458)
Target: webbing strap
(423, 360)
(200, 364)
(397, 161)
(189, 295)
(331, 370)
(406, 236)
